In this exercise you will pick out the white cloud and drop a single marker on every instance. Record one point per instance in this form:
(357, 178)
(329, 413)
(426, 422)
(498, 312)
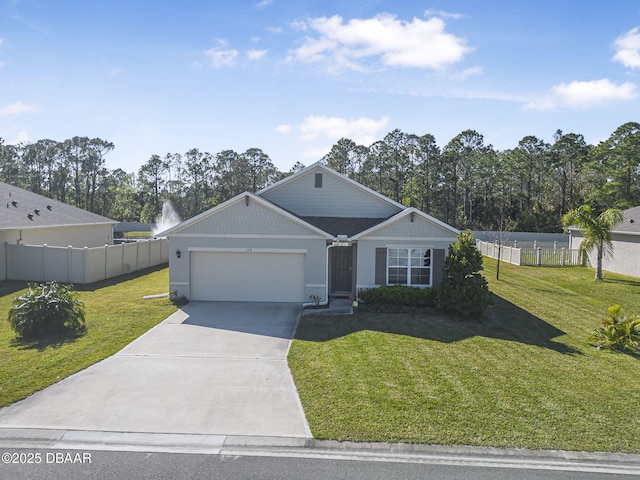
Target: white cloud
(317, 153)
(13, 136)
(393, 42)
(16, 108)
(432, 12)
(264, 4)
(256, 54)
(584, 95)
(361, 130)
(463, 75)
(20, 137)
(222, 56)
(284, 129)
(628, 48)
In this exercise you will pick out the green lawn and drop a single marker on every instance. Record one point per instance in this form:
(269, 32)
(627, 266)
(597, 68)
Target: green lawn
(116, 314)
(524, 377)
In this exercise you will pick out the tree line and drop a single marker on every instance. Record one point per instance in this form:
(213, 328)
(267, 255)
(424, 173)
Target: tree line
(467, 183)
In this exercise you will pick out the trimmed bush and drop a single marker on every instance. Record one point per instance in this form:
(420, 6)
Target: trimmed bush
(46, 308)
(397, 296)
(464, 290)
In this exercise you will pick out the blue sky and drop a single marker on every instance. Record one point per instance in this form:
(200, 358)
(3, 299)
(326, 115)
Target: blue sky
(293, 77)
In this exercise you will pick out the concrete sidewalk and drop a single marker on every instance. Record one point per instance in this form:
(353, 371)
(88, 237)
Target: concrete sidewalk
(211, 368)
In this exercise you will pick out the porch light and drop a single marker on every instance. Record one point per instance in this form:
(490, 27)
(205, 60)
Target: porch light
(342, 241)
(178, 253)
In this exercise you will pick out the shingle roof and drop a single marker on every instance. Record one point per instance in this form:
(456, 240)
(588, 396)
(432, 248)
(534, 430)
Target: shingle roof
(343, 225)
(631, 222)
(16, 204)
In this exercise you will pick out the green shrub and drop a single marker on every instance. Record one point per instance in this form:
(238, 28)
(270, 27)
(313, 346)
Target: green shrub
(464, 290)
(398, 295)
(618, 332)
(46, 308)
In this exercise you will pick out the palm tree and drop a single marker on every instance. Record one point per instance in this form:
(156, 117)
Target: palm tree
(596, 231)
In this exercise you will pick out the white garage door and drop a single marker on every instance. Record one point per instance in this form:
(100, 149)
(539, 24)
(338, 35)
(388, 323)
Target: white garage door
(247, 276)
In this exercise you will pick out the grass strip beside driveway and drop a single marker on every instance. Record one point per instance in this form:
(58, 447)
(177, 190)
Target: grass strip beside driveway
(523, 377)
(116, 314)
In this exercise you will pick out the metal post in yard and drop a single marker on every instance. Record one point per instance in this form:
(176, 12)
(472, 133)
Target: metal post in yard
(562, 258)
(539, 256)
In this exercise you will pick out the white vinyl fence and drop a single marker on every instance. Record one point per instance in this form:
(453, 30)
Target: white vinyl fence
(530, 256)
(42, 263)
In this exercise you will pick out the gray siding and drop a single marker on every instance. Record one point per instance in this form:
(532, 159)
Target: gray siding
(405, 228)
(243, 219)
(336, 198)
(626, 253)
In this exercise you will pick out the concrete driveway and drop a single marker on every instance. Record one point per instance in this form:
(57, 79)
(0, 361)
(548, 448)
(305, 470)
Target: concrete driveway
(211, 368)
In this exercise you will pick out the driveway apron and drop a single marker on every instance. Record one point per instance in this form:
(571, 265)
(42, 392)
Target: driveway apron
(210, 368)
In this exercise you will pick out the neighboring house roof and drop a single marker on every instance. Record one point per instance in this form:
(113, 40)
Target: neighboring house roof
(630, 225)
(631, 222)
(22, 209)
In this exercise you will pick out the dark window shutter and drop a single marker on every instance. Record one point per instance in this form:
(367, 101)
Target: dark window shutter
(381, 266)
(437, 265)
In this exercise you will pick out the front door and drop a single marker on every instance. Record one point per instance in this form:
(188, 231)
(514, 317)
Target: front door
(341, 269)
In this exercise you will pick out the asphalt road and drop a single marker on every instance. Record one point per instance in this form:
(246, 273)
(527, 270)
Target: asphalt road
(36, 464)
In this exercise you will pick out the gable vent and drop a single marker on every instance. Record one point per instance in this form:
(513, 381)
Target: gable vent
(318, 180)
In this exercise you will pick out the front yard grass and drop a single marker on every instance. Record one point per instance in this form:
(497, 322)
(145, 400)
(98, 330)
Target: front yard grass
(116, 314)
(523, 377)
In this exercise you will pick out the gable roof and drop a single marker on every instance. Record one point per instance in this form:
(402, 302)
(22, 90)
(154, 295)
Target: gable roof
(238, 198)
(22, 209)
(349, 226)
(402, 214)
(339, 176)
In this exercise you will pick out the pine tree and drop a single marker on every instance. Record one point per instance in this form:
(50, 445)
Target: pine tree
(464, 290)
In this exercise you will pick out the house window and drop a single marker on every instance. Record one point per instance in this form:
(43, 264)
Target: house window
(318, 180)
(409, 266)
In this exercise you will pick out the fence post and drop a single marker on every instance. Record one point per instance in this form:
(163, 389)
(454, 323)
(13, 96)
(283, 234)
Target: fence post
(539, 256)
(535, 244)
(555, 245)
(515, 244)
(562, 258)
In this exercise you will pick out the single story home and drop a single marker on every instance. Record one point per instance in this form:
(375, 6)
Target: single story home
(625, 237)
(31, 219)
(312, 235)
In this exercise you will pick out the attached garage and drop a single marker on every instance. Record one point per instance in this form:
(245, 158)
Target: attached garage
(247, 275)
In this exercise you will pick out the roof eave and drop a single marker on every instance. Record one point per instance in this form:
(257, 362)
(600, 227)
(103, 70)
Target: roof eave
(232, 201)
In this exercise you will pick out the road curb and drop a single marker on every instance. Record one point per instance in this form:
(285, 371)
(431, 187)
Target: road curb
(299, 447)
